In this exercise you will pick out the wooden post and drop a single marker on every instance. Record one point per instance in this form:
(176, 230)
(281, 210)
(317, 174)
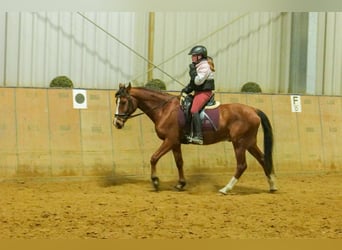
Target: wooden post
(150, 46)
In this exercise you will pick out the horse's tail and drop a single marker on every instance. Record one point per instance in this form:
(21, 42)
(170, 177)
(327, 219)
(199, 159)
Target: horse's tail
(268, 142)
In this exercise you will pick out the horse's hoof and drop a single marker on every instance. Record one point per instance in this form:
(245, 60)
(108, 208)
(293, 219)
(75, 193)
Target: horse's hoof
(223, 191)
(155, 182)
(273, 190)
(180, 186)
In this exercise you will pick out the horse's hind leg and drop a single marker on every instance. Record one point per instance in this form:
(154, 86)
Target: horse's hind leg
(259, 156)
(240, 154)
(177, 154)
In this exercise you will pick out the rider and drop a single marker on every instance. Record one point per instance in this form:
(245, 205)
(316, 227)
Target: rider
(201, 72)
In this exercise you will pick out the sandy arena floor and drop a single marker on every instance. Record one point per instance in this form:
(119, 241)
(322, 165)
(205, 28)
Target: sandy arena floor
(305, 207)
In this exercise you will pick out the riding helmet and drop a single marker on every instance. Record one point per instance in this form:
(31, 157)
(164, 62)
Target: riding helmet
(199, 50)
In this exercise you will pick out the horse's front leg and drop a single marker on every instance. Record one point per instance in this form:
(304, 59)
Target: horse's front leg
(177, 154)
(162, 150)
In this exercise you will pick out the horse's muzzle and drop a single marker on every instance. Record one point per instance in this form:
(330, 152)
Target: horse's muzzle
(118, 123)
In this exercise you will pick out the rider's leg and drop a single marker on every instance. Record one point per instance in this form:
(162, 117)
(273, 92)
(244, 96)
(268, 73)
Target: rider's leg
(197, 126)
(200, 99)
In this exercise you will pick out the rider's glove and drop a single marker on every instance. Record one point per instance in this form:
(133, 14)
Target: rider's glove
(188, 89)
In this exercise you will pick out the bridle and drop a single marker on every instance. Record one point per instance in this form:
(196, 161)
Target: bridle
(125, 116)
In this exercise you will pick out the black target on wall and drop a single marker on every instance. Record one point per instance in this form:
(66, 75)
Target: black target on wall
(79, 98)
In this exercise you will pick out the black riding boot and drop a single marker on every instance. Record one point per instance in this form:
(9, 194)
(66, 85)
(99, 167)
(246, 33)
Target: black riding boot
(197, 126)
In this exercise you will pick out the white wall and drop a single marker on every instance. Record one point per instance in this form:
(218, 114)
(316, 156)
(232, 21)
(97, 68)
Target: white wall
(2, 46)
(39, 46)
(43, 45)
(332, 61)
(245, 46)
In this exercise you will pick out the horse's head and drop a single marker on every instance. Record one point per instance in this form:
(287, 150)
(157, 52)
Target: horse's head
(125, 105)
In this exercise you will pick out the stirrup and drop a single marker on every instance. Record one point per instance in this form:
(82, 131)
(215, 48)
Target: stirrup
(186, 139)
(196, 140)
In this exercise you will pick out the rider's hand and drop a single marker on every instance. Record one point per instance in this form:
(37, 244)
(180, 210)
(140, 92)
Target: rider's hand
(187, 90)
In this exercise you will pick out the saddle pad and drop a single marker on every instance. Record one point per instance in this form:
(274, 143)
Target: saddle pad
(217, 103)
(206, 123)
(211, 124)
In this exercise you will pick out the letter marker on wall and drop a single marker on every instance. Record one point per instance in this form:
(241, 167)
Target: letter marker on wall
(296, 105)
(79, 98)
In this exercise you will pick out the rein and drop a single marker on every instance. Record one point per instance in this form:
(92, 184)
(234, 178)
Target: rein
(126, 116)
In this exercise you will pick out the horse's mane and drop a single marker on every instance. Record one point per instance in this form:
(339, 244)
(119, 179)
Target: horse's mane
(155, 92)
(151, 90)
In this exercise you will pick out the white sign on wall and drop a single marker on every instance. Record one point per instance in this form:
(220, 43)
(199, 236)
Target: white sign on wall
(296, 105)
(79, 98)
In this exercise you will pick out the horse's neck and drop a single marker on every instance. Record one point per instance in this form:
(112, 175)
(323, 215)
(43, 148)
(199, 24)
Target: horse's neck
(149, 102)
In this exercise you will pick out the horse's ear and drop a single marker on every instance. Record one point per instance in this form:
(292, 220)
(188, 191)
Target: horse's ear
(121, 85)
(129, 86)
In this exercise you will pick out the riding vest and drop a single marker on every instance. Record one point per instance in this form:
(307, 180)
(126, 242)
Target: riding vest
(205, 77)
(207, 85)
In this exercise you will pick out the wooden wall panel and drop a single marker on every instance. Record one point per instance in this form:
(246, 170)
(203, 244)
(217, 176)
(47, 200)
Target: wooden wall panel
(309, 134)
(8, 133)
(33, 132)
(43, 136)
(96, 134)
(286, 135)
(65, 134)
(331, 134)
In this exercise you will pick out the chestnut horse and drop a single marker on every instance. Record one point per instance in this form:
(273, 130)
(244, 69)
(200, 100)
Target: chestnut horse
(237, 123)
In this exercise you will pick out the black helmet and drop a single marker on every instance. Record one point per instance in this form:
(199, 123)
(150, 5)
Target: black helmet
(199, 50)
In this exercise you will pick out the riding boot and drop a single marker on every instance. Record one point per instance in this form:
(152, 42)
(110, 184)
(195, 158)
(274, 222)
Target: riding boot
(197, 126)
(186, 139)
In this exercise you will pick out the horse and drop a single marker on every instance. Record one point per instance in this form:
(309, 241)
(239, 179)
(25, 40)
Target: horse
(237, 123)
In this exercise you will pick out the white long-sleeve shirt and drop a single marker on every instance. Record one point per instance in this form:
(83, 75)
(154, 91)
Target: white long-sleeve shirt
(203, 72)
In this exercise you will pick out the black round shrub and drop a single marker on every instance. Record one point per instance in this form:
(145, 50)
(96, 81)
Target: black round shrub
(61, 82)
(155, 84)
(251, 87)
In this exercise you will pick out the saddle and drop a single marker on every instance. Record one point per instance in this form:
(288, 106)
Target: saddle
(186, 102)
